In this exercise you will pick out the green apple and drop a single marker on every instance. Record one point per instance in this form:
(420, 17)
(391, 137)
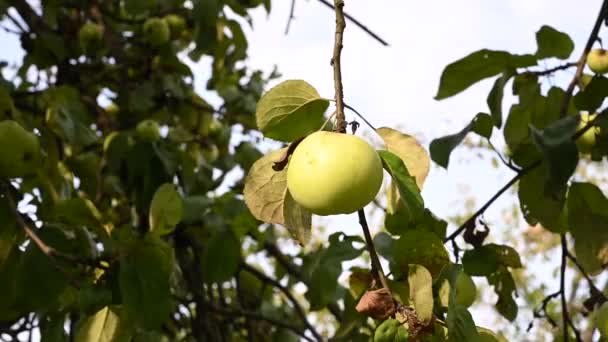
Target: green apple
(90, 37)
(148, 131)
(586, 141)
(597, 60)
(156, 31)
(333, 173)
(19, 150)
(209, 126)
(466, 291)
(210, 153)
(601, 320)
(177, 24)
(487, 335)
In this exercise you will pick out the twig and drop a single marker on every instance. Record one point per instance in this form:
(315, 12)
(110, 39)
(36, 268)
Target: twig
(603, 14)
(542, 311)
(291, 17)
(566, 319)
(581, 269)
(292, 299)
(361, 116)
(357, 23)
(335, 62)
(552, 70)
(509, 163)
(376, 266)
(258, 317)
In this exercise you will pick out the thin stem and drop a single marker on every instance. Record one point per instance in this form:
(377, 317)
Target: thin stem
(335, 62)
(562, 286)
(291, 16)
(369, 242)
(554, 69)
(357, 23)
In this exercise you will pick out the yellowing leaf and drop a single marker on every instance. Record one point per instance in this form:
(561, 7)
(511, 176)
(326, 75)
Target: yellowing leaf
(165, 210)
(406, 147)
(290, 110)
(103, 326)
(421, 291)
(298, 220)
(265, 189)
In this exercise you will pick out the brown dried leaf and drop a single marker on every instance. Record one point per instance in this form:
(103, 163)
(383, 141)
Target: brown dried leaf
(406, 147)
(265, 189)
(378, 304)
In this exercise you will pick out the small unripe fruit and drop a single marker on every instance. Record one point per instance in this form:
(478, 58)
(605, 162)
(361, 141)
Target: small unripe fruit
(90, 37)
(156, 31)
(209, 126)
(586, 141)
(597, 60)
(210, 153)
(177, 24)
(19, 150)
(466, 291)
(148, 131)
(333, 173)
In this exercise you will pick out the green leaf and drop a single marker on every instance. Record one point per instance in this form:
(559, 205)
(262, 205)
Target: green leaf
(265, 189)
(461, 326)
(298, 220)
(408, 190)
(588, 220)
(145, 270)
(594, 94)
(103, 326)
(222, 246)
(166, 210)
(504, 287)
(384, 244)
(421, 291)
(477, 66)
(78, 211)
(485, 260)
(553, 43)
(423, 248)
(441, 148)
(495, 97)
(68, 117)
(539, 204)
(397, 223)
(195, 208)
(406, 147)
(290, 110)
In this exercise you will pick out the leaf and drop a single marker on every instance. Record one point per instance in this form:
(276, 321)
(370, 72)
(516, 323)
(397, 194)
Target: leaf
(461, 326)
(485, 260)
(298, 220)
(78, 211)
(421, 291)
(384, 244)
(477, 66)
(222, 246)
(441, 148)
(166, 210)
(594, 94)
(144, 284)
(553, 43)
(265, 189)
(103, 326)
(406, 147)
(290, 110)
(421, 248)
(588, 221)
(408, 190)
(495, 97)
(504, 287)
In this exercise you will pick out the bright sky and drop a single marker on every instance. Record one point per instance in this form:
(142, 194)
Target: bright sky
(395, 85)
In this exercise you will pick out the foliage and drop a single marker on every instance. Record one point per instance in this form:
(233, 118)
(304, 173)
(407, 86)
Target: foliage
(144, 229)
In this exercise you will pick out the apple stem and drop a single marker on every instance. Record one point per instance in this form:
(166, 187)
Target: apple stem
(377, 271)
(335, 62)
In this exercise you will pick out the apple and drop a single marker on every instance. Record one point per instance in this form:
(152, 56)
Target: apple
(601, 320)
(148, 131)
(597, 60)
(466, 291)
(177, 24)
(210, 153)
(90, 37)
(156, 31)
(586, 141)
(19, 150)
(209, 126)
(334, 173)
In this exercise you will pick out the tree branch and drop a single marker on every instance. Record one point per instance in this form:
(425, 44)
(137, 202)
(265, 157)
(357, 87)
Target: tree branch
(291, 16)
(357, 23)
(552, 70)
(376, 266)
(292, 299)
(335, 62)
(566, 319)
(602, 15)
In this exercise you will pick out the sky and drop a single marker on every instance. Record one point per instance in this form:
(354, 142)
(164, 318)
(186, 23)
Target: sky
(395, 86)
